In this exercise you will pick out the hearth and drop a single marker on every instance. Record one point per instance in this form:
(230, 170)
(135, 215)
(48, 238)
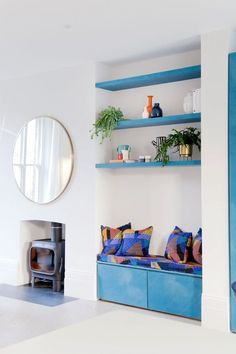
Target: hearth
(47, 257)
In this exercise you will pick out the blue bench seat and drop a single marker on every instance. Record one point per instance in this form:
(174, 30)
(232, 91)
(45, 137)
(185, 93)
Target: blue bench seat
(155, 262)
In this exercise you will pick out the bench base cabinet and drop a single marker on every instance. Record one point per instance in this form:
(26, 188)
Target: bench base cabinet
(171, 292)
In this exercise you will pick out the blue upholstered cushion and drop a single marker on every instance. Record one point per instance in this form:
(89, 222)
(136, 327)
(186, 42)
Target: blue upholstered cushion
(156, 262)
(112, 238)
(135, 243)
(197, 247)
(178, 245)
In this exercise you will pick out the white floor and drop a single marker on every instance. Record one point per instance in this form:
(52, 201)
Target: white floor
(125, 331)
(21, 320)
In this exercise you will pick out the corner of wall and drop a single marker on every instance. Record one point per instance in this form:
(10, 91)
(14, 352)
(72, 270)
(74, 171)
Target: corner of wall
(215, 214)
(80, 284)
(215, 314)
(8, 271)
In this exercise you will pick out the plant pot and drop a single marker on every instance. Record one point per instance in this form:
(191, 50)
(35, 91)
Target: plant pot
(186, 150)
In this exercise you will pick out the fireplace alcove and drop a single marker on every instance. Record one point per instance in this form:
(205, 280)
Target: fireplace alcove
(43, 253)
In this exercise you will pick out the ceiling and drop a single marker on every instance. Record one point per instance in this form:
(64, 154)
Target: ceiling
(39, 35)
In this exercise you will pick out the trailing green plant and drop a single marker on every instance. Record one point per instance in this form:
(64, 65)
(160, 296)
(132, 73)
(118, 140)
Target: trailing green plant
(187, 136)
(107, 121)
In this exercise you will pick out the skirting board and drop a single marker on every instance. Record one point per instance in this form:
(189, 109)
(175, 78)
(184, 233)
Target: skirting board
(215, 313)
(8, 271)
(80, 284)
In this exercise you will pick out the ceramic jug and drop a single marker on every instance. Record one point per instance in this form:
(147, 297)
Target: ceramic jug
(120, 148)
(188, 103)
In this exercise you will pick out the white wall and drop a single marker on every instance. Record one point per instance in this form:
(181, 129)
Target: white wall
(162, 197)
(69, 96)
(215, 299)
(103, 151)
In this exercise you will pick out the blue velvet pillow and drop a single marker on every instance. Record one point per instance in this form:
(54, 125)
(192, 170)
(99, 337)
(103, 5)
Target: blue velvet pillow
(112, 238)
(178, 245)
(197, 247)
(125, 227)
(135, 243)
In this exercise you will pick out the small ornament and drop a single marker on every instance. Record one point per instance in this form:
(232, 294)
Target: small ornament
(147, 158)
(145, 113)
(188, 103)
(157, 111)
(141, 159)
(196, 94)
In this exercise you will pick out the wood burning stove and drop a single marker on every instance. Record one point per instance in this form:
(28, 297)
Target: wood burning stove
(47, 257)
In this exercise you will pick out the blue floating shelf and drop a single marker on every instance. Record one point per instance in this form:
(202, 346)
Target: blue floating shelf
(187, 73)
(168, 120)
(149, 164)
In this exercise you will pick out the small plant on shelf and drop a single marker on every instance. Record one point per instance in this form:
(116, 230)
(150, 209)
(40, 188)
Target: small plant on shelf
(182, 140)
(107, 121)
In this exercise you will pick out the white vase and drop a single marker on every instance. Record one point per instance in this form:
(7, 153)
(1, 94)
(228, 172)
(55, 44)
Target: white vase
(188, 103)
(145, 113)
(196, 100)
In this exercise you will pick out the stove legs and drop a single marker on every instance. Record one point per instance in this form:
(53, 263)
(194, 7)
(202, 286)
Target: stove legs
(56, 285)
(33, 281)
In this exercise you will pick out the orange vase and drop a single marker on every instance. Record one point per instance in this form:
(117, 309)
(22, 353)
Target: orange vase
(149, 105)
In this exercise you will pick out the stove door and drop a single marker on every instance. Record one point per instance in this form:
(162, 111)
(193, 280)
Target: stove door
(42, 260)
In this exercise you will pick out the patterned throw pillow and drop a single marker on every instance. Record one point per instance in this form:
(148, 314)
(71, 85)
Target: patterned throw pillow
(177, 248)
(135, 243)
(197, 247)
(112, 238)
(125, 227)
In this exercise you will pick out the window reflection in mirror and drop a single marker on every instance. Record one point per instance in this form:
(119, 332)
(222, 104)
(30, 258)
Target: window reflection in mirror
(43, 159)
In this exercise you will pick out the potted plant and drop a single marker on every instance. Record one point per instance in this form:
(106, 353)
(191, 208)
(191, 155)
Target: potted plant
(182, 140)
(107, 121)
(162, 145)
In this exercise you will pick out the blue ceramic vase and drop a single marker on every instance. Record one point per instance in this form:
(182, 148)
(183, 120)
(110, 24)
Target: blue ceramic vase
(157, 111)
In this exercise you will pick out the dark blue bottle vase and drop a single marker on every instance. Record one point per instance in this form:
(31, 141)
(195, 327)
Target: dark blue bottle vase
(156, 111)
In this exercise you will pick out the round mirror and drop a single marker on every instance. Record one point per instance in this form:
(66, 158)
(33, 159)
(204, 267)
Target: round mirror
(43, 160)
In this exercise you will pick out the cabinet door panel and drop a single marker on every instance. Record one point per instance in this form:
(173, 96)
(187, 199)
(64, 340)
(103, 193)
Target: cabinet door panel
(176, 294)
(123, 285)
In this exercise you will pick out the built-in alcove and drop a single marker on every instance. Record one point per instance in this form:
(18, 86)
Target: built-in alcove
(162, 197)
